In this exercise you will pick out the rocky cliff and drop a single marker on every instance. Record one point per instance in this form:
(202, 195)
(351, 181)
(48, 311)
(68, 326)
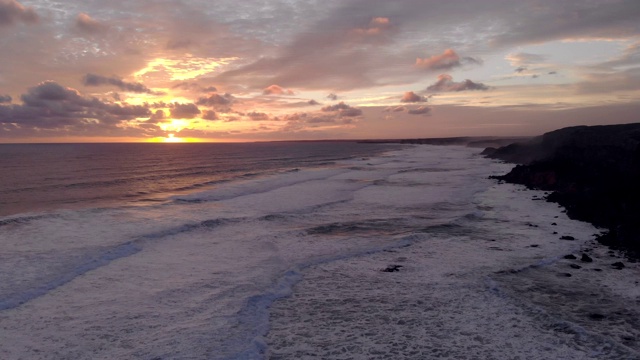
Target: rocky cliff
(593, 171)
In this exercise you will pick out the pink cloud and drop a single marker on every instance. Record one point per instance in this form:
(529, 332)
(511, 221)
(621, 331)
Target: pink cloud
(448, 60)
(277, 90)
(411, 97)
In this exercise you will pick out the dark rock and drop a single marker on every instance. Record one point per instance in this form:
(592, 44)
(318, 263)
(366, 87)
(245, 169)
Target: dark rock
(586, 258)
(567, 237)
(597, 269)
(618, 265)
(564, 275)
(575, 266)
(570, 257)
(592, 171)
(392, 268)
(488, 151)
(534, 245)
(554, 224)
(555, 233)
(596, 316)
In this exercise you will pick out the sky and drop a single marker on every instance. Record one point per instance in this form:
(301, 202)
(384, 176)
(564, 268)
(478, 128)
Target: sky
(261, 70)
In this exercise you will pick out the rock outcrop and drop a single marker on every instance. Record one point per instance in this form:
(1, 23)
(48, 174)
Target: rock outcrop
(593, 171)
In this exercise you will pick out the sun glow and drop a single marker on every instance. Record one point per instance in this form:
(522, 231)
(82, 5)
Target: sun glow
(186, 68)
(172, 138)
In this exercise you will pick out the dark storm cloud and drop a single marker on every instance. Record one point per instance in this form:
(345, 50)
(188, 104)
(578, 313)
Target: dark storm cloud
(445, 83)
(89, 25)
(98, 80)
(5, 99)
(411, 97)
(50, 105)
(12, 12)
(184, 111)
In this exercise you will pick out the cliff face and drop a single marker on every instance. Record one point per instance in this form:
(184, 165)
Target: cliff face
(594, 172)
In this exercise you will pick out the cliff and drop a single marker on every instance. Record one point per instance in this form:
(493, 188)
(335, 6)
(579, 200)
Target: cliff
(593, 171)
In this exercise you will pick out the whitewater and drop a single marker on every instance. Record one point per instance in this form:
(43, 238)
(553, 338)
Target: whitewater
(412, 254)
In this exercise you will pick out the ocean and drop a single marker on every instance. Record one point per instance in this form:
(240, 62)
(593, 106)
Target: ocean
(300, 250)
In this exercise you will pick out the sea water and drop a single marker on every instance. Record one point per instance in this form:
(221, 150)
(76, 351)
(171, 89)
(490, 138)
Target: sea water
(290, 250)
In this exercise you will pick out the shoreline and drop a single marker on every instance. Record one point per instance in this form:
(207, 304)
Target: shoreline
(435, 303)
(592, 172)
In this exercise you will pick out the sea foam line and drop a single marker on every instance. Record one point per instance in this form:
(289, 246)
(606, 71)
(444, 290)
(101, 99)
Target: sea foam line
(123, 250)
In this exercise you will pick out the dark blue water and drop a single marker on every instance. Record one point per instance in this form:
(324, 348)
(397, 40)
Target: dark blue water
(41, 177)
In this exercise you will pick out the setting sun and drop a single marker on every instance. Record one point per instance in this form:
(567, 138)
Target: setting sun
(171, 138)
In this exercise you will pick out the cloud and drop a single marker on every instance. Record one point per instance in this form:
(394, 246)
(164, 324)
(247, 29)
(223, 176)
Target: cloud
(12, 12)
(184, 111)
(210, 115)
(98, 80)
(569, 20)
(522, 60)
(395, 109)
(195, 87)
(376, 27)
(313, 102)
(445, 83)
(277, 90)
(332, 96)
(343, 110)
(258, 116)
(89, 25)
(448, 60)
(629, 57)
(604, 83)
(216, 100)
(411, 97)
(520, 69)
(49, 105)
(156, 117)
(422, 110)
(5, 99)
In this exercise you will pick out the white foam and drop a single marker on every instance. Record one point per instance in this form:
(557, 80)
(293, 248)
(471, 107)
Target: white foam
(195, 278)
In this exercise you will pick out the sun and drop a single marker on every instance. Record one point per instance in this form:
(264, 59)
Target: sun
(171, 138)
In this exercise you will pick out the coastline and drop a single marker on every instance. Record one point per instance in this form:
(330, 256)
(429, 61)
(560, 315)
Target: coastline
(592, 172)
(462, 294)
